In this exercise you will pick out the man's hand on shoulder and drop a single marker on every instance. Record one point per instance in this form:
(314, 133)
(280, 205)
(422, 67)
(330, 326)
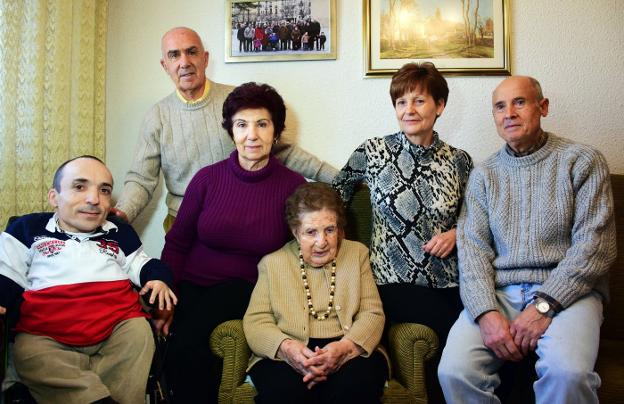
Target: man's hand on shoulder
(120, 214)
(2, 310)
(496, 335)
(528, 328)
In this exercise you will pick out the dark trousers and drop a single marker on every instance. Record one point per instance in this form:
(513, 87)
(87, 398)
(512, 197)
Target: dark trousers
(436, 308)
(193, 372)
(360, 380)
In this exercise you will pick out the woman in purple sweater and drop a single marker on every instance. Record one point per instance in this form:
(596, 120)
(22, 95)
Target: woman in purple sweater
(230, 217)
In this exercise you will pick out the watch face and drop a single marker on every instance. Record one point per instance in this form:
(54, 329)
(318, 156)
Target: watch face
(542, 307)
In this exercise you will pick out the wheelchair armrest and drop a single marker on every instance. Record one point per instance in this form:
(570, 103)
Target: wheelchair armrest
(228, 342)
(3, 347)
(411, 345)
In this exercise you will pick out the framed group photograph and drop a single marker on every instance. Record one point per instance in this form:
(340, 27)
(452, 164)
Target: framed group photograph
(469, 37)
(280, 30)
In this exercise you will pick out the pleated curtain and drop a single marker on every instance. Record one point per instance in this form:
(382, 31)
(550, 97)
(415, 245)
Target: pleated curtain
(52, 94)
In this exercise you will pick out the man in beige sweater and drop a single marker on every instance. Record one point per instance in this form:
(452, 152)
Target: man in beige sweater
(182, 132)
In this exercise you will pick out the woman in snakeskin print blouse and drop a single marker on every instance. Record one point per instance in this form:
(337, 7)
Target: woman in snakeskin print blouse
(416, 184)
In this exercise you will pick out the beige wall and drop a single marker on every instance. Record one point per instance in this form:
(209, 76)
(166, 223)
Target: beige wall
(573, 47)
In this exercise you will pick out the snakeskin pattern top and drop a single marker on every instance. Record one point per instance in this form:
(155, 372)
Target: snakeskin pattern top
(416, 192)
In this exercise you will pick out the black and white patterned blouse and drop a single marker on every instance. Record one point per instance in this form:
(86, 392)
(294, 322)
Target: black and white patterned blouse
(416, 193)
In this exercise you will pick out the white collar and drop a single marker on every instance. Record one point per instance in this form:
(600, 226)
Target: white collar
(52, 226)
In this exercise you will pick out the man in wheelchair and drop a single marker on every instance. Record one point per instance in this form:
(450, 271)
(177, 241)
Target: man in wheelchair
(66, 278)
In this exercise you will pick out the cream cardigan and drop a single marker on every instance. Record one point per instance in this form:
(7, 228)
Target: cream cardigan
(278, 307)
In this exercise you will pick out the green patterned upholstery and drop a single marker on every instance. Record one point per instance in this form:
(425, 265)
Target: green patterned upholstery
(410, 344)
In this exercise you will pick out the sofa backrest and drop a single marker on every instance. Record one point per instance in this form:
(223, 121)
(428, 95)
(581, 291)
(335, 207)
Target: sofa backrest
(613, 327)
(359, 216)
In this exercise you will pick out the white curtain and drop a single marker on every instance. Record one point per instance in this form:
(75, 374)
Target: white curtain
(52, 100)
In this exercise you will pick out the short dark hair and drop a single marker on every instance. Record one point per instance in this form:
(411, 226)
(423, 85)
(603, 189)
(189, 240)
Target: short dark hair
(58, 175)
(423, 75)
(253, 95)
(312, 197)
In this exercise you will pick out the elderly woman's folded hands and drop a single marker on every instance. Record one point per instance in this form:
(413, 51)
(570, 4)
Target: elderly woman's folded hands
(296, 354)
(333, 355)
(316, 365)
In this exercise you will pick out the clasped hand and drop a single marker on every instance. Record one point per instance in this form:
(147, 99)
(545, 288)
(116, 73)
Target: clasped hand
(316, 365)
(513, 340)
(441, 245)
(162, 315)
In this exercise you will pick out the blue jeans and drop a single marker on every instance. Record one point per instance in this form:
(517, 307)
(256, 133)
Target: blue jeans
(566, 353)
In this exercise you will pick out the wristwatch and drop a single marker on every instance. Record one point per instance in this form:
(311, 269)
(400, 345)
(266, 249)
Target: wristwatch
(543, 307)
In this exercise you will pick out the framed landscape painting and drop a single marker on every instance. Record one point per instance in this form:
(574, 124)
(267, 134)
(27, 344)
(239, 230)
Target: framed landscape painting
(468, 37)
(280, 30)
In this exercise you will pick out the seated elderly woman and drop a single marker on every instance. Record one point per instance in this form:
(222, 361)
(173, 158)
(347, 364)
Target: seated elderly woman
(231, 216)
(315, 318)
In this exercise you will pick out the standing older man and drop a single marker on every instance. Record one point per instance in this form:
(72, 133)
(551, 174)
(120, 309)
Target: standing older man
(536, 238)
(182, 133)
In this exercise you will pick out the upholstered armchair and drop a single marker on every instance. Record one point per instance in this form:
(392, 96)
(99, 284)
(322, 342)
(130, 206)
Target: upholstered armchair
(410, 345)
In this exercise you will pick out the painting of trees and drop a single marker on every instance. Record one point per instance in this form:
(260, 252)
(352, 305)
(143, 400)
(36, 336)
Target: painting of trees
(470, 22)
(436, 29)
(399, 12)
(459, 35)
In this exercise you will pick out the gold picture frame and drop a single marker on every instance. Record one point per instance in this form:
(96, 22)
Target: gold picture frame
(444, 32)
(280, 17)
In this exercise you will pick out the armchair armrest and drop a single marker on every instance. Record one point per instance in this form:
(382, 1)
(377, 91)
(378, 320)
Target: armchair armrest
(410, 346)
(228, 342)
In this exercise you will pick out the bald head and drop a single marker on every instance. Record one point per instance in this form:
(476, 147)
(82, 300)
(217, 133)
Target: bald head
(185, 60)
(525, 81)
(190, 33)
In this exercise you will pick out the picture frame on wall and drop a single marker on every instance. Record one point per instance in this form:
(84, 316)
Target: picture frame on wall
(280, 30)
(466, 37)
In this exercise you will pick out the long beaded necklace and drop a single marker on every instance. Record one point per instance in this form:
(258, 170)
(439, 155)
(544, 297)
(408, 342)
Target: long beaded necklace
(306, 286)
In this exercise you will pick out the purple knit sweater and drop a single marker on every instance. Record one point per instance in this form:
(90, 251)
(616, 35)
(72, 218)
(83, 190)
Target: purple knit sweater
(229, 219)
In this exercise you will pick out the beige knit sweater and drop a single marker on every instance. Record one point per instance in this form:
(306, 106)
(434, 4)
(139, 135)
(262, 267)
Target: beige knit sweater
(179, 139)
(278, 307)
